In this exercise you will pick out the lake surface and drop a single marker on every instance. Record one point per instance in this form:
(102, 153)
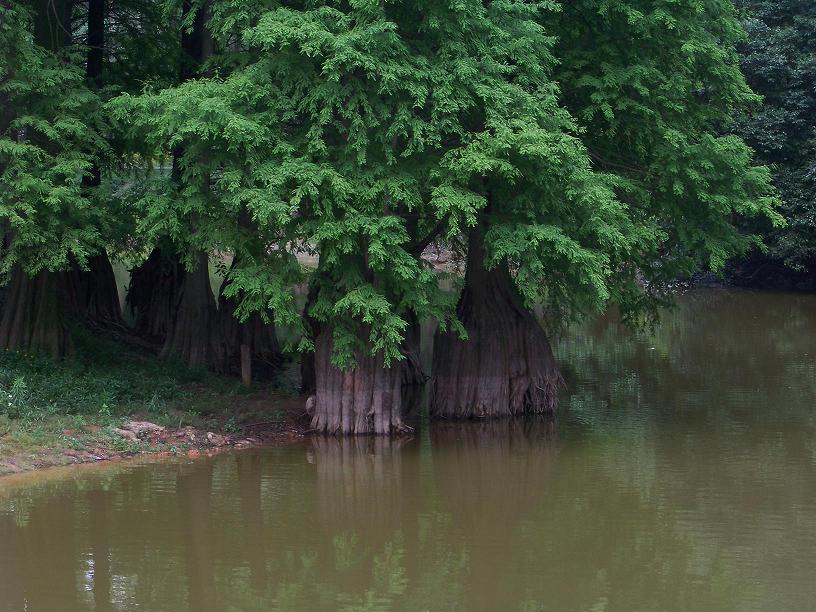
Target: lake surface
(679, 475)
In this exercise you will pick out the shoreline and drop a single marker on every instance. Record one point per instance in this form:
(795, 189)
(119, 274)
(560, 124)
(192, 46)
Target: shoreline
(135, 437)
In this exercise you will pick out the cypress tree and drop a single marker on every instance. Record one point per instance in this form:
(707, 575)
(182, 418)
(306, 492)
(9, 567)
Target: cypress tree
(48, 143)
(646, 197)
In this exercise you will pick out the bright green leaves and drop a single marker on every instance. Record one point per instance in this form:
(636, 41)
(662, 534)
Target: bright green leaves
(584, 135)
(49, 140)
(653, 84)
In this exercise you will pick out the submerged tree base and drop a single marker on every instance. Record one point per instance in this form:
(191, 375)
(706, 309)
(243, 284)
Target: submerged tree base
(506, 366)
(369, 399)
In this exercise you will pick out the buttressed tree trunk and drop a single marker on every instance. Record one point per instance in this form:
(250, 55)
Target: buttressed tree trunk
(193, 336)
(35, 314)
(94, 293)
(369, 399)
(506, 366)
(35, 308)
(153, 294)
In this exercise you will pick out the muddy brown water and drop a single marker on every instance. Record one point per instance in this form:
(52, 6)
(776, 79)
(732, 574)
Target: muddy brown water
(680, 475)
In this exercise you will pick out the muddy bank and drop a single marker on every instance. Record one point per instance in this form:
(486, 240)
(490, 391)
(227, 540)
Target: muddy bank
(140, 437)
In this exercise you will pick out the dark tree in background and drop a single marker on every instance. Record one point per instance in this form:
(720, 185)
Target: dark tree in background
(779, 62)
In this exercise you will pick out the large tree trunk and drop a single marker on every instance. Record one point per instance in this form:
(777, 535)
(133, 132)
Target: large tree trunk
(506, 366)
(193, 336)
(35, 313)
(95, 295)
(369, 399)
(153, 294)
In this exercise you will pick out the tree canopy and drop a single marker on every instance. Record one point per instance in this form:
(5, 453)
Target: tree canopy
(779, 62)
(577, 148)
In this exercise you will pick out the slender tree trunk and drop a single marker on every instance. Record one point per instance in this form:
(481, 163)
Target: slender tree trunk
(194, 332)
(96, 41)
(52, 23)
(35, 314)
(369, 399)
(308, 384)
(506, 365)
(153, 294)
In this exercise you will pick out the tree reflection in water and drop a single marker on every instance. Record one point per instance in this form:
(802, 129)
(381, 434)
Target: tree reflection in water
(681, 475)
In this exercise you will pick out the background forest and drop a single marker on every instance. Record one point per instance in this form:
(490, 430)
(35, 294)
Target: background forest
(311, 182)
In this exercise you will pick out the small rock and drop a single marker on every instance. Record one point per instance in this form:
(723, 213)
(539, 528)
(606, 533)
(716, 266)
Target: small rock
(215, 439)
(193, 454)
(10, 467)
(128, 435)
(141, 428)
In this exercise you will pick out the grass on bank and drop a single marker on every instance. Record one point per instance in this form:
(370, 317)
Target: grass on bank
(50, 407)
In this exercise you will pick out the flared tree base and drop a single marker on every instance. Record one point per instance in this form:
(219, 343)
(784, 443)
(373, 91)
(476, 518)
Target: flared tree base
(95, 295)
(35, 314)
(370, 399)
(506, 366)
(194, 334)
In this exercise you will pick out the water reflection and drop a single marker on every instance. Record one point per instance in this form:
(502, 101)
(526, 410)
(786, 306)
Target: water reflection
(681, 476)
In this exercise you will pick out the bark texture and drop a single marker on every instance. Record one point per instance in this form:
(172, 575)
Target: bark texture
(194, 334)
(506, 366)
(370, 399)
(35, 314)
(94, 293)
(153, 294)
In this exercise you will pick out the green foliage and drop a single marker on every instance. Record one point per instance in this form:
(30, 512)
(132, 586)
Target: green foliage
(586, 135)
(780, 64)
(652, 85)
(103, 381)
(49, 138)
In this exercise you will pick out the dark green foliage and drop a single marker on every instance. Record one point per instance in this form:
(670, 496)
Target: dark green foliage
(779, 60)
(102, 378)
